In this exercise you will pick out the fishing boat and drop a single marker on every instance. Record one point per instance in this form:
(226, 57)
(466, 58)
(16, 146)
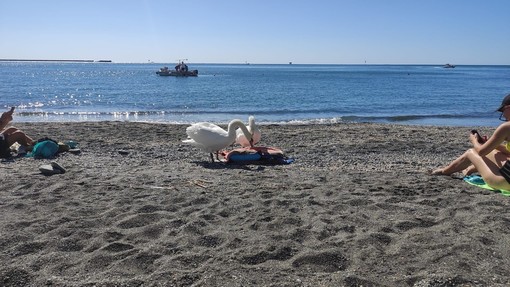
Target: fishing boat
(181, 70)
(175, 73)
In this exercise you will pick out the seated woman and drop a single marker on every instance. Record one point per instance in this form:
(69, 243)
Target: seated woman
(491, 158)
(11, 135)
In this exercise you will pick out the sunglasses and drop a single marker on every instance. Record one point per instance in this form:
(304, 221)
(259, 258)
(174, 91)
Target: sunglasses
(501, 117)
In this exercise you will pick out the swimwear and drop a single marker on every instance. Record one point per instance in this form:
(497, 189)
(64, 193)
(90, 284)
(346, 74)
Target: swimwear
(5, 151)
(505, 171)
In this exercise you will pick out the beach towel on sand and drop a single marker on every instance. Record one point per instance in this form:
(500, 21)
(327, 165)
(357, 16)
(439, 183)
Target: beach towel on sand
(268, 155)
(478, 181)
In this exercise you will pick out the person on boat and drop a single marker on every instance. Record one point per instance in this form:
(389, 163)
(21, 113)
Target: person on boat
(490, 158)
(11, 135)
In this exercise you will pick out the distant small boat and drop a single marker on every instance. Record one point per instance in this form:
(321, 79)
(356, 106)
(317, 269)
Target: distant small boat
(448, 66)
(181, 70)
(166, 72)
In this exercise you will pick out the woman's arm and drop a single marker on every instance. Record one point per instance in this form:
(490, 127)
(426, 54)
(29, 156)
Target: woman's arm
(5, 119)
(3, 124)
(494, 142)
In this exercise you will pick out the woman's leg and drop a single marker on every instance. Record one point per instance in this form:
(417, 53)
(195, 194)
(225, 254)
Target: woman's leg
(469, 171)
(495, 156)
(463, 163)
(488, 167)
(459, 164)
(16, 136)
(10, 130)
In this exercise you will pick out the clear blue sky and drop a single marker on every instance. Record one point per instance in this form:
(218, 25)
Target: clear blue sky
(261, 31)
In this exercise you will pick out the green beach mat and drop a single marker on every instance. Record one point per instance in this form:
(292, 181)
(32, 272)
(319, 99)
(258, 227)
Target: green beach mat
(477, 180)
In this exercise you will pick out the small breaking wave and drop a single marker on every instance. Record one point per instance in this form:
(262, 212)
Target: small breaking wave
(276, 117)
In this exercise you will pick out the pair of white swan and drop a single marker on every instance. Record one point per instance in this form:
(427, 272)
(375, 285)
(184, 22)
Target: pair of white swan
(212, 138)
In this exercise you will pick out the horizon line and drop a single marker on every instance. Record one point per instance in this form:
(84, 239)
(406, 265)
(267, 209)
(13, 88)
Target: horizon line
(290, 63)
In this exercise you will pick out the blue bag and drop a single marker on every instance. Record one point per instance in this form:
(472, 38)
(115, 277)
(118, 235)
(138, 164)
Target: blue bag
(45, 149)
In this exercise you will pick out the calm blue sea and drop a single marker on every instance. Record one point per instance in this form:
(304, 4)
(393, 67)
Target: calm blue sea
(404, 94)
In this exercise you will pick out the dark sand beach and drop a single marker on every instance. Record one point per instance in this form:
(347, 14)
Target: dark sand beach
(356, 208)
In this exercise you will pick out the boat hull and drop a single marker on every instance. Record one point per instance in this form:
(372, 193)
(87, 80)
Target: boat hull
(192, 73)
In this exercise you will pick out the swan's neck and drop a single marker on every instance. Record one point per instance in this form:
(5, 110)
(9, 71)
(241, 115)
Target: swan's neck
(232, 127)
(252, 124)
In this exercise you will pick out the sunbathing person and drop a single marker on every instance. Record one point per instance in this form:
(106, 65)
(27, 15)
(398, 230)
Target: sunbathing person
(11, 135)
(490, 158)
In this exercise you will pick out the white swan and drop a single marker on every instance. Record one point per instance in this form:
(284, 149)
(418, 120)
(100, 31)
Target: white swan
(212, 138)
(254, 131)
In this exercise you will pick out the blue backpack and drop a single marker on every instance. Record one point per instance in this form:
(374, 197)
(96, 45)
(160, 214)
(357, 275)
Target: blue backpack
(45, 149)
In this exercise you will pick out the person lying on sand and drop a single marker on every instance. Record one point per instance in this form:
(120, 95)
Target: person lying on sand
(11, 135)
(489, 158)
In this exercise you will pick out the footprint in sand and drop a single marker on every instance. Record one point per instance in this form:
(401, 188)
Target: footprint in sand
(118, 247)
(280, 254)
(322, 262)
